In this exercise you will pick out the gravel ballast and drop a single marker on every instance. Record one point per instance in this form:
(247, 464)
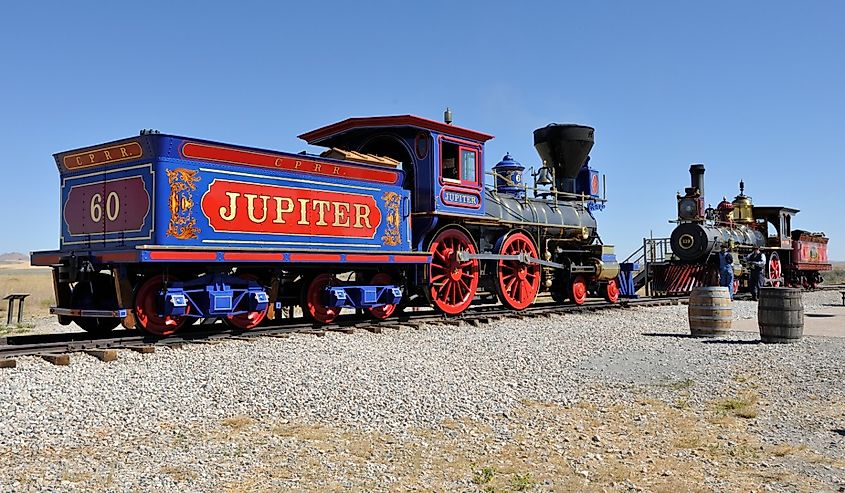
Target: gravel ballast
(615, 400)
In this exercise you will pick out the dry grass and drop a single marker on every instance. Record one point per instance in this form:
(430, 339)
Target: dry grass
(548, 447)
(835, 276)
(238, 422)
(785, 449)
(743, 406)
(20, 278)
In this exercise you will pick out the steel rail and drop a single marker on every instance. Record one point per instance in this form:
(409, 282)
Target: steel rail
(74, 342)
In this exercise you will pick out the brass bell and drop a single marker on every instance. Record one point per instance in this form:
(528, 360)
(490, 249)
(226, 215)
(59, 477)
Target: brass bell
(544, 176)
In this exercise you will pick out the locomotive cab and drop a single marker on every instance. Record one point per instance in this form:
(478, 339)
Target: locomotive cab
(443, 163)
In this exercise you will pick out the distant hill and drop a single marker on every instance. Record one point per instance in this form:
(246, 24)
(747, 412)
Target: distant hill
(13, 257)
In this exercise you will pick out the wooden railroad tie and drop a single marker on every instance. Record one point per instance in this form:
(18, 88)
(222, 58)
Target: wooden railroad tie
(343, 330)
(57, 359)
(375, 329)
(104, 355)
(143, 349)
(8, 363)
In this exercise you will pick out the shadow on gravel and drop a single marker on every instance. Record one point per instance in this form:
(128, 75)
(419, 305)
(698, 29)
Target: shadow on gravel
(663, 334)
(839, 432)
(731, 341)
(705, 340)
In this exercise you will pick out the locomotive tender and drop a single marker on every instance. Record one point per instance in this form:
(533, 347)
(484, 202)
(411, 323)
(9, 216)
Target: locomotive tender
(159, 230)
(793, 257)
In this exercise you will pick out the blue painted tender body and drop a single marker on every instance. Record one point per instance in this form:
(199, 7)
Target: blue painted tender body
(181, 192)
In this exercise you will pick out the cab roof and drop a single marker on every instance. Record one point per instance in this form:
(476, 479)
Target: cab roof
(323, 136)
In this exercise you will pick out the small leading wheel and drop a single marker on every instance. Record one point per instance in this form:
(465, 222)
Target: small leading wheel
(383, 311)
(97, 294)
(610, 291)
(248, 320)
(314, 300)
(452, 283)
(578, 290)
(517, 284)
(775, 272)
(148, 306)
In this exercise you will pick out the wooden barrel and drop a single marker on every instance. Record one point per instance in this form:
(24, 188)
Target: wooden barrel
(710, 312)
(780, 314)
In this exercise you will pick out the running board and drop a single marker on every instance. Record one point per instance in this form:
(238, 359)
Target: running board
(73, 312)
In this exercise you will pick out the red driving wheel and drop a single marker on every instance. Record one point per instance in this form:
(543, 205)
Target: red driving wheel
(775, 272)
(452, 283)
(610, 292)
(383, 311)
(248, 320)
(578, 290)
(313, 304)
(517, 283)
(148, 301)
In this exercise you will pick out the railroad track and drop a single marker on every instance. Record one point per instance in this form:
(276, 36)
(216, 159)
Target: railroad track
(56, 348)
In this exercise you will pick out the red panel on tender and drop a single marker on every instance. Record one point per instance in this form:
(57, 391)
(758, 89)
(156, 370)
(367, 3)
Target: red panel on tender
(809, 252)
(306, 164)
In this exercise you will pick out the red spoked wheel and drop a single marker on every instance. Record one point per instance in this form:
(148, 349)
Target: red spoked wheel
(452, 283)
(148, 305)
(517, 283)
(578, 290)
(610, 291)
(248, 320)
(736, 286)
(775, 272)
(313, 300)
(383, 311)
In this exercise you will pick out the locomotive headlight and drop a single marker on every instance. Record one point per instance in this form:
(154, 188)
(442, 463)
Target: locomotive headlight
(686, 241)
(585, 232)
(687, 208)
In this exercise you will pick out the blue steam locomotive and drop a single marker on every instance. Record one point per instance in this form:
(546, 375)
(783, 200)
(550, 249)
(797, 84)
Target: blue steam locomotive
(158, 231)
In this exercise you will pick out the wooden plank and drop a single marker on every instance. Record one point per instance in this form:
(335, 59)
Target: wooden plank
(104, 355)
(57, 359)
(375, 329)
(143, 349)
(8, 363)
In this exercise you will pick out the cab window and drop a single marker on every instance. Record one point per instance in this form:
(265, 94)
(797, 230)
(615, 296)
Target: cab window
(468, 167)
(449, 160)
(458, 163)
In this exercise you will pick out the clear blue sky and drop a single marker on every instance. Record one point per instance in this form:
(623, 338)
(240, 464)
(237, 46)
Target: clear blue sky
(752, 89)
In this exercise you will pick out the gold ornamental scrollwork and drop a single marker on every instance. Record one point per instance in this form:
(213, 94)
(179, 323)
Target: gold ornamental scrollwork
(183, 225)
(393, 233)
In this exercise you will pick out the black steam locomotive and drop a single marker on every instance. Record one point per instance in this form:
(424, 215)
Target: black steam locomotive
(794, 257)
